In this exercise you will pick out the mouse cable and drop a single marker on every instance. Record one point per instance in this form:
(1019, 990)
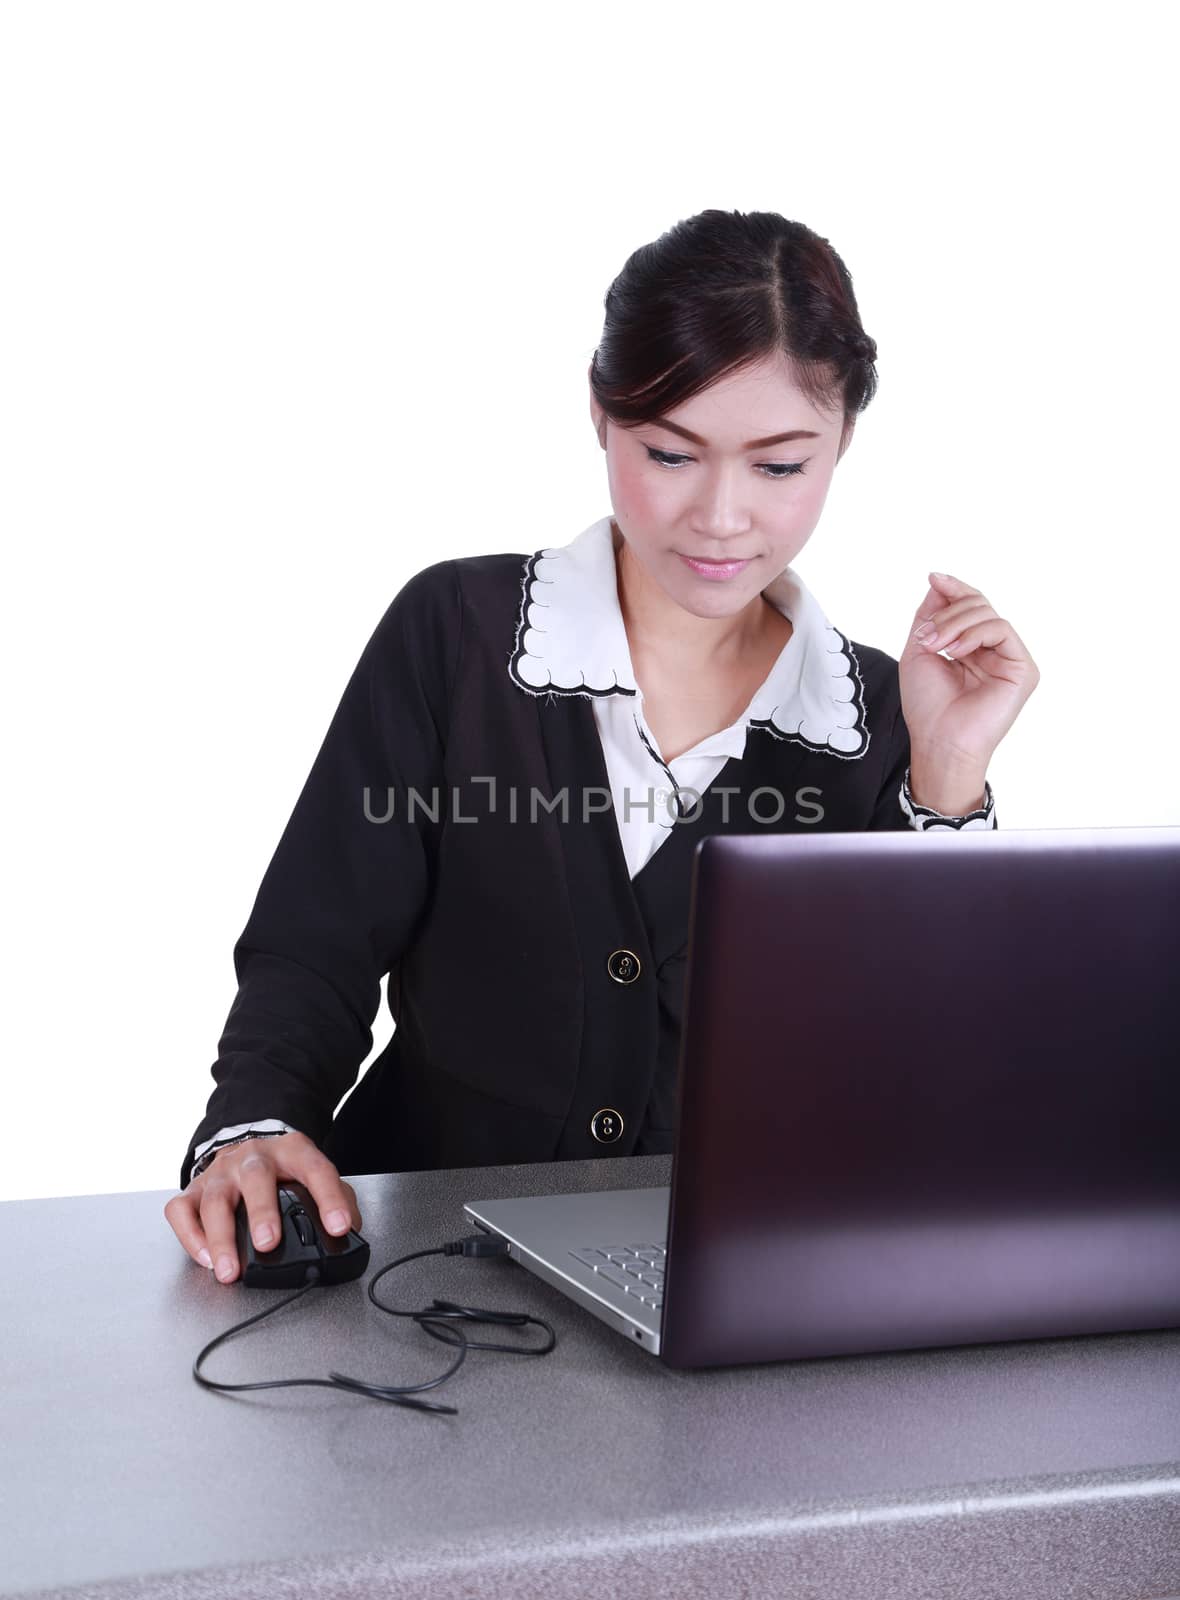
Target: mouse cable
(437, 1319)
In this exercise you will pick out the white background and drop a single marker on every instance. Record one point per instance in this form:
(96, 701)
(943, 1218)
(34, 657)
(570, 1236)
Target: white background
(299, 299)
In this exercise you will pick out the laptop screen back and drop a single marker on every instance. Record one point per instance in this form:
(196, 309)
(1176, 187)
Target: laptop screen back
(929, 1092)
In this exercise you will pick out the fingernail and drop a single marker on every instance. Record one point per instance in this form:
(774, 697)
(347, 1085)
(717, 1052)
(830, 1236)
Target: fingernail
(264, 1235)
(925, 634)
(337, 1221)
(225, 1268)
(204, 1258)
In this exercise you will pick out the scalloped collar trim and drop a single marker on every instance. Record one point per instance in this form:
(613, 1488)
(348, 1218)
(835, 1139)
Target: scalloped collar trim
(570, 639)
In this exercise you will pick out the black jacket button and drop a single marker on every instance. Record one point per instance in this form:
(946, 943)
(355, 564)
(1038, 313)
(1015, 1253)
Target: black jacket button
(623, 966)
(606, 1125)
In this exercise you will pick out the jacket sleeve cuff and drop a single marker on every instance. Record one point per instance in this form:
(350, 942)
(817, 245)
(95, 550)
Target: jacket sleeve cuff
(925, 820)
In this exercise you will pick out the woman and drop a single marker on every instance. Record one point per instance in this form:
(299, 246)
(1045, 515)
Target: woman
(504, 809)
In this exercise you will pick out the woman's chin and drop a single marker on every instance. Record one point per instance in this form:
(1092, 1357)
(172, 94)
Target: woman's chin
(712, 601)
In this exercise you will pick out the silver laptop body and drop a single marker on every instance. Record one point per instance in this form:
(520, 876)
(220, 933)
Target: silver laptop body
(929, 1094)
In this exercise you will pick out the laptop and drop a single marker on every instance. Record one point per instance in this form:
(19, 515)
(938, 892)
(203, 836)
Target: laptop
(928, 1095)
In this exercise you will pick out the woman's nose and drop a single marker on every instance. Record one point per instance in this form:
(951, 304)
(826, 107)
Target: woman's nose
(721, 513)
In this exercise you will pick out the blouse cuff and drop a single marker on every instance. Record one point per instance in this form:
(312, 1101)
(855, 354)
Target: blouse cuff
(265, 1128)
(927, 820)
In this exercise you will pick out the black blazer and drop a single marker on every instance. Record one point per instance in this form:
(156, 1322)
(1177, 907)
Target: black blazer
(495, 929)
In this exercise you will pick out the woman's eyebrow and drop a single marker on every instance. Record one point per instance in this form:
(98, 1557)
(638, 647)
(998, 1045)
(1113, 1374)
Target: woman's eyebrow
(754, 444)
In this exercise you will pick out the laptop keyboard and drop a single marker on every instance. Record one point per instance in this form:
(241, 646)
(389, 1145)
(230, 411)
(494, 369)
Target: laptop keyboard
(636, 1268)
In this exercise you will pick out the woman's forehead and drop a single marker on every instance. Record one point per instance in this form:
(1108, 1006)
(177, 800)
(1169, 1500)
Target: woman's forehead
(752, 403)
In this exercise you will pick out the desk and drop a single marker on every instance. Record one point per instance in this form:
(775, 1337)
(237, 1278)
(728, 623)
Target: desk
(1048, 1468)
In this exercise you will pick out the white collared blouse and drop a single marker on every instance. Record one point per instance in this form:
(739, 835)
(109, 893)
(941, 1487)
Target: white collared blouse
(572, 637)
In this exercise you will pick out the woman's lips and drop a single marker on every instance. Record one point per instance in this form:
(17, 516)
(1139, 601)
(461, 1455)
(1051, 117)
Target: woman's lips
(715, 569)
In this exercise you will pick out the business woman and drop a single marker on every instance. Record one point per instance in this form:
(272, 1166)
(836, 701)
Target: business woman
(503, 812)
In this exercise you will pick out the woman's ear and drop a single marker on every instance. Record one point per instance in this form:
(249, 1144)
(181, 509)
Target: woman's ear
(597, 414)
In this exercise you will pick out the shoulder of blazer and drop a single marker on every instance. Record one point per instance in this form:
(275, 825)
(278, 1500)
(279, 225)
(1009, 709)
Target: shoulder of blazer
(491, 590)
(428, 616)
(492, 585)
(489, 585)
(447, 620)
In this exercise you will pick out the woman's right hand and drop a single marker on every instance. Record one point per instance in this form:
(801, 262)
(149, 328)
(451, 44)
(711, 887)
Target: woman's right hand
(202, 1216)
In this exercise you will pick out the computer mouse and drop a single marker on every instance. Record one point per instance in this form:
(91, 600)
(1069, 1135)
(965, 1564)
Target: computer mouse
(304, 1242)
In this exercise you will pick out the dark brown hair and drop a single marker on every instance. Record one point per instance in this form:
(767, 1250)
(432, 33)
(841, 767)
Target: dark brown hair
(719, 292)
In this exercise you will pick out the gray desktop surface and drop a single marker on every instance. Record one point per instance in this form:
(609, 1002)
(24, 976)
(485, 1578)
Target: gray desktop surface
(1048, 1468)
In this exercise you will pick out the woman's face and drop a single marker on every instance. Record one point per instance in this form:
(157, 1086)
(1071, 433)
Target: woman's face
(742, 513)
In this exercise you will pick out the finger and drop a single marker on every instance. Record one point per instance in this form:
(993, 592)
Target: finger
(333, 1197)
(354, 1207)
(219, 1201)
(997, 634)
(933, 635)
(974, 606)
(257, 1175)
(185, 1223)
(942, 591)
(950, 588)
(939, 600)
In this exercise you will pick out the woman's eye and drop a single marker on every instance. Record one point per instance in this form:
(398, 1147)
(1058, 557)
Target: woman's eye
(769, 469)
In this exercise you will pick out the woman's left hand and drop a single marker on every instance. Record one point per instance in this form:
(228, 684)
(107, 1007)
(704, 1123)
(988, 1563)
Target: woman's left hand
(958, 710)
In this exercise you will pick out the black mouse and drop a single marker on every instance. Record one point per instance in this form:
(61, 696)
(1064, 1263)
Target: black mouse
(303, 1243)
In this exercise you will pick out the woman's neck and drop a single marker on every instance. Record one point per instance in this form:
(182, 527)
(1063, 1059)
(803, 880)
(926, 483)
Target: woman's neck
(659, 630)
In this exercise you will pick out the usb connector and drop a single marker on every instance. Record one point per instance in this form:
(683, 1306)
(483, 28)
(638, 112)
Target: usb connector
(477, 1244)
